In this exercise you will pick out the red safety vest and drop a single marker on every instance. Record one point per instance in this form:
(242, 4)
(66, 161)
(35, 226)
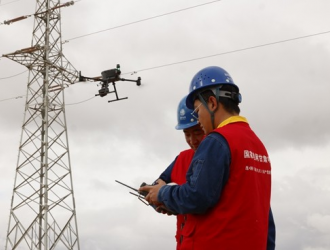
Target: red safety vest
(178, 176)
(240, 218)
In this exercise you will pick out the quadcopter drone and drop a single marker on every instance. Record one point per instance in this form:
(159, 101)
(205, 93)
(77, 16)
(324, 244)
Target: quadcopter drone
(109, 76)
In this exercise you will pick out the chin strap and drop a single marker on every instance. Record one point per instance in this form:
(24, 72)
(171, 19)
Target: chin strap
(205, 105)
(219, 93)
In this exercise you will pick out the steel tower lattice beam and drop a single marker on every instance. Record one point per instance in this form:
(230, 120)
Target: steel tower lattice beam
(43, 212)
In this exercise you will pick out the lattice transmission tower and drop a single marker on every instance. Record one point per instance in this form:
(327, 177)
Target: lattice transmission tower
(43, 213)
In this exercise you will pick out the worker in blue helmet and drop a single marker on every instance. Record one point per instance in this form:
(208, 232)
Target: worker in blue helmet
(215, 81)
(175, 173)
(228, 184)
(189, 124)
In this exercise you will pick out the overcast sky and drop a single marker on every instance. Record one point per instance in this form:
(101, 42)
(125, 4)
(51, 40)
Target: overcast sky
(285, 88)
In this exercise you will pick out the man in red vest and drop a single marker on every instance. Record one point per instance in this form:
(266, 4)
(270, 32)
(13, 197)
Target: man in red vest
(177, 170)
(228, 183)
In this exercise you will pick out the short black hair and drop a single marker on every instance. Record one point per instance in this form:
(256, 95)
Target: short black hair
(229, 104)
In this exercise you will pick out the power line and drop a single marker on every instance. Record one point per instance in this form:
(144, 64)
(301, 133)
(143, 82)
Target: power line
(142, 20)
(17, 97)
(204, 57)
(3, 78)
(230, 52)
(1, 4)
(80, 102)
(21, 96)
(8, 22)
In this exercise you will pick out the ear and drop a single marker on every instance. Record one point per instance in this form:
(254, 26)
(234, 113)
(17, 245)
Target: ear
(212, 103)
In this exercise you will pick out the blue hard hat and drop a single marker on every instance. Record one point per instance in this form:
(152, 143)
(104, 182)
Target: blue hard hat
(207, 78)
(185, 119)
